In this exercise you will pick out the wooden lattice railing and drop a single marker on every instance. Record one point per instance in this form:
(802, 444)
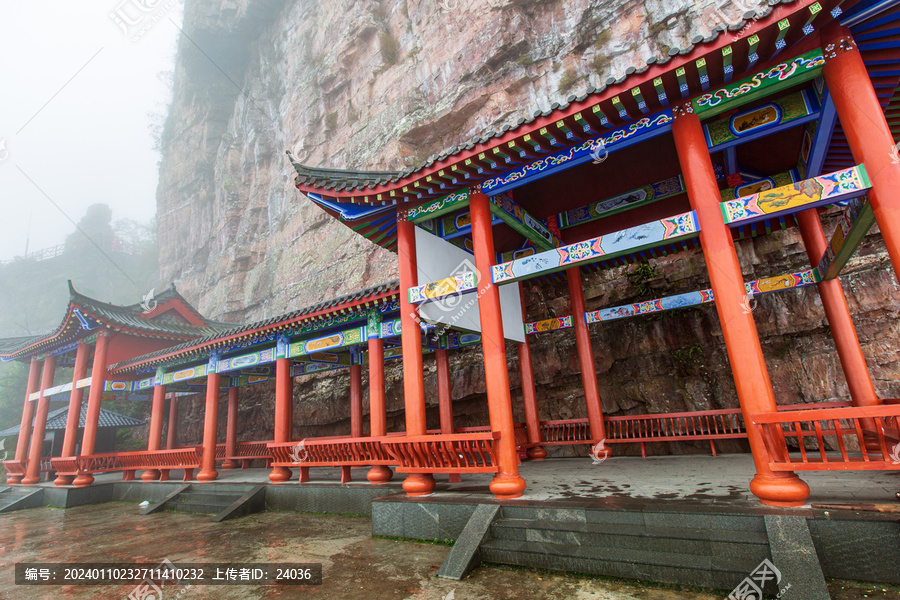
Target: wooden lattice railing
(331, 452)
(710, 425)
(129, 462)
(451, 453)
(833, 439)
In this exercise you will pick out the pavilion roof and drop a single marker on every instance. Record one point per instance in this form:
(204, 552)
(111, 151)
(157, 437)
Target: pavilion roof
(56, 420)
(239, 336)
(165, 315)
(364, 200)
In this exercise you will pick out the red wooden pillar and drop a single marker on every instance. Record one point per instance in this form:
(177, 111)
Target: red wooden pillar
(866, 128)
(231, 428)
(210, 425)
(34, 381)
(33, 472)
(586, 358)
(445, 397)
(74, 415)
(172, 429)
(751, 378)
(862, 391)
(529, 394)
(507, 483)
(92, 416)
(284, 404)
(415, 484)
(377, 408)
(355, 401)
(156, 422)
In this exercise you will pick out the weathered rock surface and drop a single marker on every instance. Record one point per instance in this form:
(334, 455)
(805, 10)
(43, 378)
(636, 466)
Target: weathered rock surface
(384, 85)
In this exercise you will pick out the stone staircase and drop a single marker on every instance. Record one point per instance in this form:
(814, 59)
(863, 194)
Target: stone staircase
(223, 501)
(712, 551)
(17, 498)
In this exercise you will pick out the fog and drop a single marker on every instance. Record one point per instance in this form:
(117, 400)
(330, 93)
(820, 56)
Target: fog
(76, 97)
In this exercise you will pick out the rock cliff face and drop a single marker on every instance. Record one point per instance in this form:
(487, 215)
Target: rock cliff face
(384, 85)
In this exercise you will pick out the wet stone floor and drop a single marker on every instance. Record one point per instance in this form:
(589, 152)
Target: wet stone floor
(355, 565)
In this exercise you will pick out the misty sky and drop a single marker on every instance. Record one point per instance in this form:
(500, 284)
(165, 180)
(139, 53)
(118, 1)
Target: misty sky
(91, 141)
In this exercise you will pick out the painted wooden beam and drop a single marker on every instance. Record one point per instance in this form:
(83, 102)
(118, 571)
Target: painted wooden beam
(341, 339)
(441, 206)
(503, 206)
(754, 288)
(810, 193)
(631, 199)
(461, 283)
(548, 325)
(250, 359)
(848, 235)
(592, 149)
(627, 241)
(786, 74)
(759, 185)
(761, 121)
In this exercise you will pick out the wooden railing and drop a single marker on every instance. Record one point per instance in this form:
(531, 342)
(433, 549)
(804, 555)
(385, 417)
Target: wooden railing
(709, 425)
(343, 452)
(129, 462)
(15, 467)
(452, 453)
(833, 439)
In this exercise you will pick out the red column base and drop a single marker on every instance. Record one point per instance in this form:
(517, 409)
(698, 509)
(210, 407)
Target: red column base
(279, 474)
(150, 475)
(784, 489)
(229, 464)
(83, 480)
(13, 480)
(204, 476)
(536, 453)
(63, 480)
(506, 487)
(31, 480)
(379, 474)
(418, 484)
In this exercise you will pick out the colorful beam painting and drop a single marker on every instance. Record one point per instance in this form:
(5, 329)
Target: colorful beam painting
(548, 325)
(848, 235)
(516, 217)
(787, 74)
(633, 239)
(754, 288)
(593, 149)
(758, 185)
(260, 357)
(441, 206)
(810, 193)
(390, 329)
(461, 283)
(185, 374)
(610, 206)
(342, 339)
(759, 119)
